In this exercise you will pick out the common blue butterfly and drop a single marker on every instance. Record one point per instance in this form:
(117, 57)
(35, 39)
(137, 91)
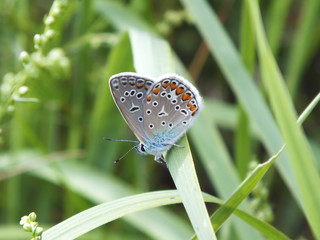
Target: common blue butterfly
(158, 111)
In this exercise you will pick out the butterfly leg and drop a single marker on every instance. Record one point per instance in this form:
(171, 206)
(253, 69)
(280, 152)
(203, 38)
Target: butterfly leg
(161, 160)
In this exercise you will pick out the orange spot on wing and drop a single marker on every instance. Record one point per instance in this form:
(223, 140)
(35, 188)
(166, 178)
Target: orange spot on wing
(189, 104)
(192, 108)
(149, 98)
(131, 83)
(156, 91)
(139, 85)
(165, 85)
(193, 113)
(173, 86)
(186, 96)
(179, 91)
(147, 87)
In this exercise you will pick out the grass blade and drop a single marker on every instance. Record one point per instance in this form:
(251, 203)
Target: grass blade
(158, 61)
(243, 86)
(306, 174)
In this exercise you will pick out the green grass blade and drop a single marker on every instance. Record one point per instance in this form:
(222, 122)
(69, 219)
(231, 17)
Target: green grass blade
(151, 56)
(244, 189)
(94, 217)
(276, 19)
(265, 228)
(120, 16)
(242, 139)
(309, 109)
(305, 172)
(303, 46)
(182, 170)
(158, 61)
(98, 187)
(243, 86)
(120, 59)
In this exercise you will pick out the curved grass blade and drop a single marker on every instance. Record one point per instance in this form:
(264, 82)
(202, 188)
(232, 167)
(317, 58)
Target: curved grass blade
(96, 216)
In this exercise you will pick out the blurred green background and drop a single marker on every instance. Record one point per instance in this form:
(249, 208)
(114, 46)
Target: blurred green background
(56, 107)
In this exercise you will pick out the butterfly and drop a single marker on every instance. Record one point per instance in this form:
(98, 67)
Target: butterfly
(158, 111)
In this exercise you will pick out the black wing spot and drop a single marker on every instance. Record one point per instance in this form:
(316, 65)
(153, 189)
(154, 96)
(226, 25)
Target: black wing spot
(184, 112)
(139, 95)
(134, 109)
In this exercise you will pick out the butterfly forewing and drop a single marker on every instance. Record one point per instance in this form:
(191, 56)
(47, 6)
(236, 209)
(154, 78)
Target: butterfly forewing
(129, 91)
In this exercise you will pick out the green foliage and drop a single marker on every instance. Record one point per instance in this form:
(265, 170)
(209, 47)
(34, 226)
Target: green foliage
(56, 108)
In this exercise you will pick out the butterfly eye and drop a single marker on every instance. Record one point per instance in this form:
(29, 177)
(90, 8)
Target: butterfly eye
(177, 107)
(151, 126)
(148, 111)
(170, 125)
(154, 103)
(163, 123)
(184, 122)
(140, 119)
(126, 93)
(122, 99)
(142, 149)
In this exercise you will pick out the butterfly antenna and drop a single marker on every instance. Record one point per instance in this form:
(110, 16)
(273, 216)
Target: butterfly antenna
(116, 140)
(125, 154)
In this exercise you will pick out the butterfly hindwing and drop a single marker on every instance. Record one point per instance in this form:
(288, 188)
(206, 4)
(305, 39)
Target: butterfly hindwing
(171, 106)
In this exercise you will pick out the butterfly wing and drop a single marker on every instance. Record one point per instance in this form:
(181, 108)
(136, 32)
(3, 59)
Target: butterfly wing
(171, 106)
(129, 91)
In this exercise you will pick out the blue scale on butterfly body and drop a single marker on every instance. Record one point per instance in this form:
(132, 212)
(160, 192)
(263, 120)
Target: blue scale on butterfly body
(158, 111)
